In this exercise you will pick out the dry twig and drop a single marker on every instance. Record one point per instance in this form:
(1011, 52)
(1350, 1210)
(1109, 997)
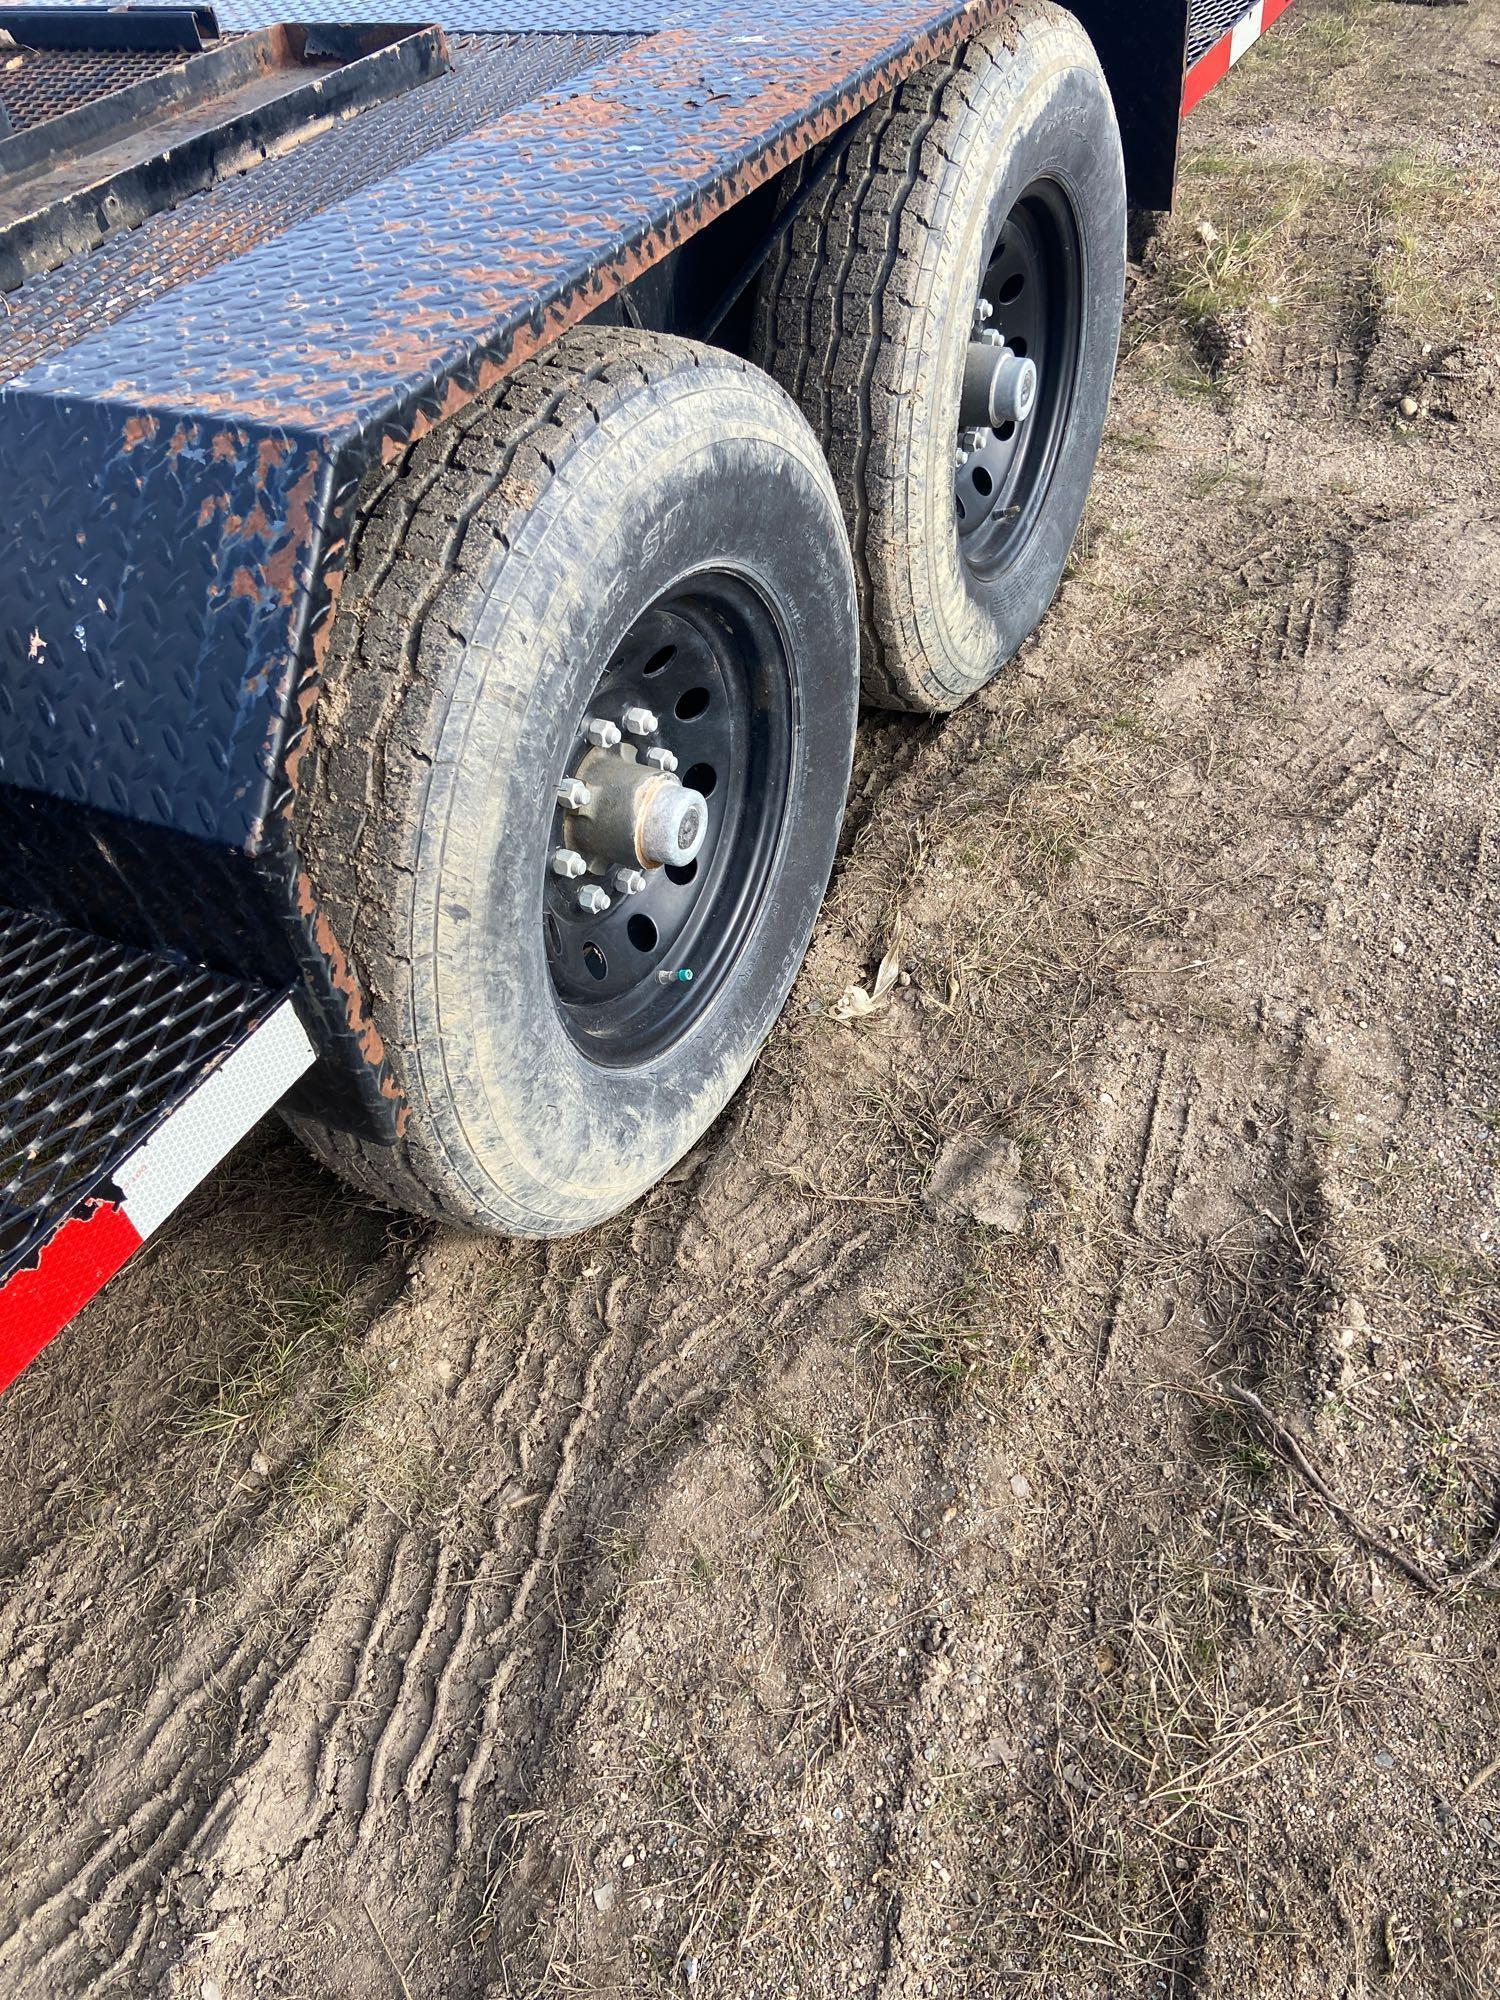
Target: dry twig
(1282, 1440)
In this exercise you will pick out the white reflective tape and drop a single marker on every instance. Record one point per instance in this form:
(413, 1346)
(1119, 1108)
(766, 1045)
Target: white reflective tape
(1246, 31)
(236, 1095)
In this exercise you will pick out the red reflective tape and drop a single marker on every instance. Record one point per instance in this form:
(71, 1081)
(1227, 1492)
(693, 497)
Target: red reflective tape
(38, 1302)
(1208, 70)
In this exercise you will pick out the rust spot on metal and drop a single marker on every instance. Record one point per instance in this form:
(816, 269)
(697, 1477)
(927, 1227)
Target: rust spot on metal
(282, 564)
(312, 682)
(139, 430)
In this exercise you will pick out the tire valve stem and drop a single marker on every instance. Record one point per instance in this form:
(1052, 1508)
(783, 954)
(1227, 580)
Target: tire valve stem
(680, 977)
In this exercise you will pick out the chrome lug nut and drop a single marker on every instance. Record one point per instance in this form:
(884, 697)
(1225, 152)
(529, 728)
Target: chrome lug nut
(983, 311)
(603, 735)
(639, 722)
(970, 440)
(569, 864)
(659, 759)
(592, 900)
(627, 881)
(574, 795)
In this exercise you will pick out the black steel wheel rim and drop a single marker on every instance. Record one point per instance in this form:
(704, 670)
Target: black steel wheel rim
(1033, 290)
(709, 660)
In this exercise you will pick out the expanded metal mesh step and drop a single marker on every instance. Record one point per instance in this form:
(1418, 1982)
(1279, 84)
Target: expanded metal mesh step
(123, 1078)
(1209, 20)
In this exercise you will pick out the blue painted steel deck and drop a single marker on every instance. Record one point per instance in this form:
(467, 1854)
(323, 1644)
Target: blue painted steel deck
(176, 451)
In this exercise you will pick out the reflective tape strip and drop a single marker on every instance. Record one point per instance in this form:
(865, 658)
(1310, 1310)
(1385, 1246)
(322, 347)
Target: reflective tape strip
(163, 1171)
(1216, 62)
(92, 1243)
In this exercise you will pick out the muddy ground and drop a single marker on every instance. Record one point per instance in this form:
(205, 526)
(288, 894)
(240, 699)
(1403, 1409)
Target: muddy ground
(857, 1570)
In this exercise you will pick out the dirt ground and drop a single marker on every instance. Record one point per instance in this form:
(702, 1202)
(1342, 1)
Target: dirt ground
(859, 1570)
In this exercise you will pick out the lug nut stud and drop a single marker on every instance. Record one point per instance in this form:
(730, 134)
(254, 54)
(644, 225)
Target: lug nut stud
(574, 795)
(627, 881)
(659, 759)
(569, 864)
(639, 722)
(592, 901)
(603, 735)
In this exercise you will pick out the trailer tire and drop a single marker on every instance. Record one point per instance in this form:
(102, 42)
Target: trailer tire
(622, 497)
(1008, 150)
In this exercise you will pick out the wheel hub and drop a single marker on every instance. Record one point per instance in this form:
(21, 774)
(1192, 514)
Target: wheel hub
(668, 816)
(1017, 376)
(999, 384)
(632, 814)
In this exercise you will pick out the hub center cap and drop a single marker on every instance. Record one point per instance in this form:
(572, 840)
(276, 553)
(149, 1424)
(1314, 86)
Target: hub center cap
(636, 813)
(999, 385)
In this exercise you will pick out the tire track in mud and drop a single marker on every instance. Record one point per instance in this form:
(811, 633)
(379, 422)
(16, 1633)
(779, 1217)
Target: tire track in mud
(403, 1722)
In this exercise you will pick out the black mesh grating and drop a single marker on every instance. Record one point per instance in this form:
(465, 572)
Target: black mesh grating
(97, 1042)
(1209, 20)
(38, 84)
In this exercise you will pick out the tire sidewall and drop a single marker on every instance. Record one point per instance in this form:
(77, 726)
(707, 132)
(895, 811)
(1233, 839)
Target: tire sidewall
(523, 1110)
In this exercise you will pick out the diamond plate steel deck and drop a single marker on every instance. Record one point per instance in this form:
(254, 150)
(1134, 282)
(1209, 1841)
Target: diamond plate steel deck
(176, 474)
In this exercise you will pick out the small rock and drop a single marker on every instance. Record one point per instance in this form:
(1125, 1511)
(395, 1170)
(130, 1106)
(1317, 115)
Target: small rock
(1409, 407)
(1206, 233)
(1398, 947)
(606, 1895)
(690, 1971)
(1385, 1760)
(1020, 1485)
(979, 1176)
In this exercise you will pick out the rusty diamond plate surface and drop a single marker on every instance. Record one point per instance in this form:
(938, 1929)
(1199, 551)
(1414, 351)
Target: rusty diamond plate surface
(174, 478)
(490, 74)
(485, 17)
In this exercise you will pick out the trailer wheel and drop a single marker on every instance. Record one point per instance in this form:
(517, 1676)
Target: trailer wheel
(578, 772)
(946, 310)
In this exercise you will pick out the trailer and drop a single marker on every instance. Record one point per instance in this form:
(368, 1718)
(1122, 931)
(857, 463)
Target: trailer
(461, 476)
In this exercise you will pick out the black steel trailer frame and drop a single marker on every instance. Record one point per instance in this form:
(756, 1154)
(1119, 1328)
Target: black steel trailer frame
(193, 391)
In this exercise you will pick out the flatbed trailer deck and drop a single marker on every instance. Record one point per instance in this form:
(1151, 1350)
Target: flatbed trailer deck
(312, 238)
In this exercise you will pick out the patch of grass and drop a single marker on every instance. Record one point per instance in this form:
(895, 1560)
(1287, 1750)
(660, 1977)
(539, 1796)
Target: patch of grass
(1239, 253)
(808, 1491)
(1435, 264)
(946, 1348)
(296, 1332)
